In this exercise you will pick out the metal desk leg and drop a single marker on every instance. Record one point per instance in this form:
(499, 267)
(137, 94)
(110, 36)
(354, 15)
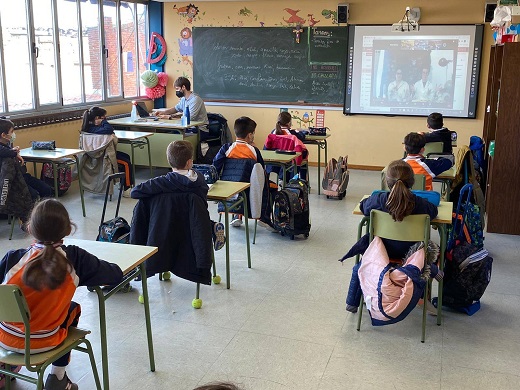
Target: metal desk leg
(149, 157)
(81, 192)
(144, 284)
(132, 146)
(103, 336)
(244, 200)
(319, 167)
(55, 173)
(443, 239)
(226, 221)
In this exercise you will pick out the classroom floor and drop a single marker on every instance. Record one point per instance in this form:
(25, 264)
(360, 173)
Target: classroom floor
(283, 323)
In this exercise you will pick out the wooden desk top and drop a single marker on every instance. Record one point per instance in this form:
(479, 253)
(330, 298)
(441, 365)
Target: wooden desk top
(152, 124)
(444, 212)
(449, 174)
(316, 137)
(126, 256)
(132, 135)
(48, 155)
(223, 189)
(272, 156)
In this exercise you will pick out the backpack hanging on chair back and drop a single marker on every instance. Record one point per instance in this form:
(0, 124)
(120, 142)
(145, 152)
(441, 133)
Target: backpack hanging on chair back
(335, 179)
(64, 176)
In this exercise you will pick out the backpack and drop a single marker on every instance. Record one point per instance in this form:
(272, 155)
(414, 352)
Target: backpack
(114, 230)
(466, 275)
(335, 178)
(208, 171)
(291, 209)
(467, 221)
(477, 146)
(64, 176)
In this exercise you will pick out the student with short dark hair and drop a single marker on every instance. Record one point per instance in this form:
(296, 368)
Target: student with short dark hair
(182, 179)
(48, 273)
(242, 148)
(438, 133)
(429, 167)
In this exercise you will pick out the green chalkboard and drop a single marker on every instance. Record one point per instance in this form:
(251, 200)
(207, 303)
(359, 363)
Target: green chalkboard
(266, 64)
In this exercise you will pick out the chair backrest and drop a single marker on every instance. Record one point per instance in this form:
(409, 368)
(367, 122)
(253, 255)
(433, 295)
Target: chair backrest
(14, 308)
(433, 147)
(411, 228)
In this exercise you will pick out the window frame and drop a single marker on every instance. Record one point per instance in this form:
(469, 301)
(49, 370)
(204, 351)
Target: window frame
(37, 107)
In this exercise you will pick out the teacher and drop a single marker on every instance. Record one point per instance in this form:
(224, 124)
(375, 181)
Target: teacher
(190, 99)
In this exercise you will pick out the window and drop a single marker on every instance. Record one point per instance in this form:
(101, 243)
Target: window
(63, 53)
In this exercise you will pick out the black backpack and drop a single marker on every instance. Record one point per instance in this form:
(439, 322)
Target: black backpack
(291, 209)
(466, 275)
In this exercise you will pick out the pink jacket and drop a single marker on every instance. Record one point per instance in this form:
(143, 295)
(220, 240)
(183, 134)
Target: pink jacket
(287, 142)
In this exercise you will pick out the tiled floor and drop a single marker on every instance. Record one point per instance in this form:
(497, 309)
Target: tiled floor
(283, 323)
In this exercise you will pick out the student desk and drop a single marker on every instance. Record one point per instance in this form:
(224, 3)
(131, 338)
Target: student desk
(443, 218)
(321, 142)
(223, 191)
(165, 131)
(446, 178)
(136, 139)
(284, 161)
(130, 258)
(55, 157)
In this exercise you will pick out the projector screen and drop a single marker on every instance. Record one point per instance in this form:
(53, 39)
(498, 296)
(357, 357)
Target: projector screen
(415, 73)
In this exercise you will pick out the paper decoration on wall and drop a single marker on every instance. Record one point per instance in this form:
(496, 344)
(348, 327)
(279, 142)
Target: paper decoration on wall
(305, 120)
(328, 13)
(294, 18)
(186, 42)
(189, 12)
(155, 83)
(312, 21)
(157, 50)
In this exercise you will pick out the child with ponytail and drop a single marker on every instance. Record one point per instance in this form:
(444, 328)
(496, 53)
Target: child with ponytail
(399, 203)
(48, 273)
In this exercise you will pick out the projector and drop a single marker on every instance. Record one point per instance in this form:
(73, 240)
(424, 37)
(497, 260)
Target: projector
(403, 26)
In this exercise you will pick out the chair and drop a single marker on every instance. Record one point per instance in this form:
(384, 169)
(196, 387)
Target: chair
(412, 228)
(433, 148)
(14, 309)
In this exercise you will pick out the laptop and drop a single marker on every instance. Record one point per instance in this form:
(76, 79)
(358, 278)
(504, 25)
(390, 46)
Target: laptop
(141, 110)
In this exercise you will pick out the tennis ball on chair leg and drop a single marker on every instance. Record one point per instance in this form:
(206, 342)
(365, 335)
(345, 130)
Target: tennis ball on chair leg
(217, 279)
(141, 299)
(196, 303)
(167, 275)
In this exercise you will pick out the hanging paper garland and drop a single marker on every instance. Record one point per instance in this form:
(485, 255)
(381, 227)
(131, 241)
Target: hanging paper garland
(149, 78)
(156, 92)
(163, 79)
(157, 50)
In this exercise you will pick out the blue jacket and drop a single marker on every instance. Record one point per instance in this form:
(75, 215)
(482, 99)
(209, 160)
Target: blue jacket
(103, 128)
(220, 158)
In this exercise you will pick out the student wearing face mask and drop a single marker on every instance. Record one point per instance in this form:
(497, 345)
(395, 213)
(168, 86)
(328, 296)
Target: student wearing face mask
(190, 99)
(37, 188)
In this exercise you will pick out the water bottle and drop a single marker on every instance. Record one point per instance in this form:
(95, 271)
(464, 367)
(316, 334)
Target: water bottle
(187, 115)
(184, 120)
(133, 113)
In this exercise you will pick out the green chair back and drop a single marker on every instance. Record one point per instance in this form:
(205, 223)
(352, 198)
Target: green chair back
(433, 147)
(14, 307)
(420, 181)
(411, 228)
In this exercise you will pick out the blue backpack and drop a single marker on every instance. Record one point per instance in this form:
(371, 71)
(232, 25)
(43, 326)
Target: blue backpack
(208, 171)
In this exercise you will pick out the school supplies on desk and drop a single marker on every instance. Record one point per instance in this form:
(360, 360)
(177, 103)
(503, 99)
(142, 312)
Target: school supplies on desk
(280, 151)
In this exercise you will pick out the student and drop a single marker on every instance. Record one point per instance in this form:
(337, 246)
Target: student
(95, 122)
(38, 188)
(242, 148)
(182, 179)
(294, 143)
(48, 274)
(438, 133)
(399, 202)
(188, 98)
(429, 167)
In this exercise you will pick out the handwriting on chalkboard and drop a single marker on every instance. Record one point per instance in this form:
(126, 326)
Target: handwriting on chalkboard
(265, 64)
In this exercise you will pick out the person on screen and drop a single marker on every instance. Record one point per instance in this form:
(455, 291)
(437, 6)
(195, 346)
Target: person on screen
(423, 90)
(398, 90)
(190, 99)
